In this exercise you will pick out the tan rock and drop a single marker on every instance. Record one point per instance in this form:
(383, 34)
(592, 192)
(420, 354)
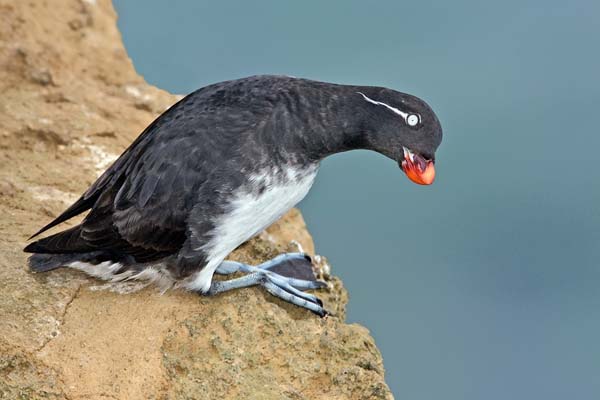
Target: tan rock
(70, 102)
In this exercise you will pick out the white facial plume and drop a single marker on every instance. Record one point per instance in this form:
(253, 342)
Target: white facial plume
(409, 119)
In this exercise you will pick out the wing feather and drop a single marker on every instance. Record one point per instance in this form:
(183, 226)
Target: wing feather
(140, 206)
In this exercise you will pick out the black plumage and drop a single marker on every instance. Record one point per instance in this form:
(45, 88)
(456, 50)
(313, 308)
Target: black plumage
(161, 200)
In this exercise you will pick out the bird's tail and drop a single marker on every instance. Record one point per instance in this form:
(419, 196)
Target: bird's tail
(48, 262)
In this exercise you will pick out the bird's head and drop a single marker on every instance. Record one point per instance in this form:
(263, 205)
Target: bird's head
(403, 128)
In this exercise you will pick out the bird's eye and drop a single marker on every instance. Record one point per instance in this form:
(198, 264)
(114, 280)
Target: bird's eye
(412, 120)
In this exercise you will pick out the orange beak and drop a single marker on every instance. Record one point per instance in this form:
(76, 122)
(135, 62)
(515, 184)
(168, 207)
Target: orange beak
(418, 169)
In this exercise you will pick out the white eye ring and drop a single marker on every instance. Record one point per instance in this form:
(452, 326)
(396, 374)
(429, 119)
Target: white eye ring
(412, 120)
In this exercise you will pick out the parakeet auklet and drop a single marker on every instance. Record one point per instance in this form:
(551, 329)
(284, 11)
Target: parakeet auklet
(220, 166)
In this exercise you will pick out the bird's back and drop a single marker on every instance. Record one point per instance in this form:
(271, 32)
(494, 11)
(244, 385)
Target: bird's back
(140, 205)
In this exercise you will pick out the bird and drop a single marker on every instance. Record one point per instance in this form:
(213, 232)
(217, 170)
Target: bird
(220, 166)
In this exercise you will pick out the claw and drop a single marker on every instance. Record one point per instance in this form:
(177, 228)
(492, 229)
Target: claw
(285, 285)
(290, 298)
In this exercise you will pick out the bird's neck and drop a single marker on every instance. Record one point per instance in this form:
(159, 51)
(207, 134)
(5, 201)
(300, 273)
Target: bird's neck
(323, 119)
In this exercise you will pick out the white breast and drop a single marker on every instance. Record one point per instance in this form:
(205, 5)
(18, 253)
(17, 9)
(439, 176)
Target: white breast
(249, 212)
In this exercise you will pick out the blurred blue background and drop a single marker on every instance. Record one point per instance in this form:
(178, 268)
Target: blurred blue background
(485, 285)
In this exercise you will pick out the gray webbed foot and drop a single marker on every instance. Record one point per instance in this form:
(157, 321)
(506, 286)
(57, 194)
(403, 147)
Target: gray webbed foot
(285, 276)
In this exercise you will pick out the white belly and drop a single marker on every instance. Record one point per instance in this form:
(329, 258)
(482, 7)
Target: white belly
(249, 213)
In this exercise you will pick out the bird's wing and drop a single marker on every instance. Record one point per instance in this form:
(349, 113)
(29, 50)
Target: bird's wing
(148, 213)
(141, 204)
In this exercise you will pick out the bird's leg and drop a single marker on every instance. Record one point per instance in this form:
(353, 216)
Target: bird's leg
(285, 276)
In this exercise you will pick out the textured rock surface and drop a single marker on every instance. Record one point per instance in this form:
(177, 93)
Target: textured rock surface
(70, 101)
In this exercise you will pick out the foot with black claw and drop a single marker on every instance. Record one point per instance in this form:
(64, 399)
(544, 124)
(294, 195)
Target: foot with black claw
(285, 276)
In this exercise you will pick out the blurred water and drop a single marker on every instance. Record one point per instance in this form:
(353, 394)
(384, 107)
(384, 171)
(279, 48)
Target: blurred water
(486, 284)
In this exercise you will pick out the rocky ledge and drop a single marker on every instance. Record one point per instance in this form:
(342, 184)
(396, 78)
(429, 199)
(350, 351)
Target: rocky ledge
(70, 102)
